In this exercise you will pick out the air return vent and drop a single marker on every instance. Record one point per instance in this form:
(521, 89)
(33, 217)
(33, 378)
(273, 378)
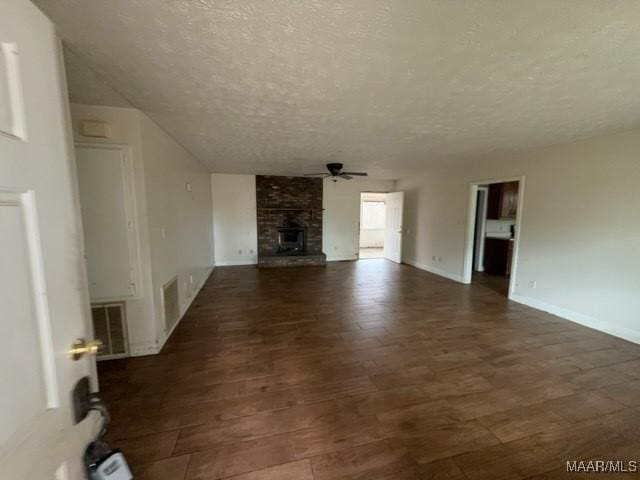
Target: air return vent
(170, 303)
(109, 326)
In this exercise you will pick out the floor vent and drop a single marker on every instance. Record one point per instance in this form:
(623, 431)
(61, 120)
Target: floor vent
(170, 303)
(110, 327)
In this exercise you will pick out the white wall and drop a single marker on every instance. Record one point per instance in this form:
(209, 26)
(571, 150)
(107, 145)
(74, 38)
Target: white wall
(580, 233)
(340, 226)
(234, 219)
(234, 199)
(178, 190)
(125, 130)
(161, 170)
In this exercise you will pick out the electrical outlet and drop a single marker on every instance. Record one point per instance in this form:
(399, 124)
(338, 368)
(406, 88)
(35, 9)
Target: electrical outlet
(188, 187)
(163, 233)
(191, 279)
(533, 284)
(433, 258)
(239, 251)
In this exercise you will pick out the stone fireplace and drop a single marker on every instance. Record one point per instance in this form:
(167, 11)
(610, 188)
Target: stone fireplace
(289, 221)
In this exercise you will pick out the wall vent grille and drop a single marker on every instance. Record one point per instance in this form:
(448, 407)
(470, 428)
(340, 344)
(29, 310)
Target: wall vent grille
(110, 327)
(170, 303)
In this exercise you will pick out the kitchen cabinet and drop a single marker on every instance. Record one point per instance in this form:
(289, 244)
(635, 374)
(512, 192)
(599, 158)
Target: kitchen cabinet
(502, 201)
(509, 204)
(496, 256)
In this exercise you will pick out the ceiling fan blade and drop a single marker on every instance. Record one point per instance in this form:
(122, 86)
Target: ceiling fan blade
(317, 174)
(356, 174)
(345, 176)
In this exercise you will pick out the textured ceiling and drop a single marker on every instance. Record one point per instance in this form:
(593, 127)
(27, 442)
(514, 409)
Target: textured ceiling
(282, 86)
(86, 86)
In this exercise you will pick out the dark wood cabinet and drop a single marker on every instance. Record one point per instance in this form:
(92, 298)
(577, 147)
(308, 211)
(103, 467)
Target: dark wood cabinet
(502, 200)
(494, 200)
(496, 256)
(509, 204)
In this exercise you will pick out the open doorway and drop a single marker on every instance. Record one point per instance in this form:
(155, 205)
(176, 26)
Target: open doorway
(492, 238)
(372, 225)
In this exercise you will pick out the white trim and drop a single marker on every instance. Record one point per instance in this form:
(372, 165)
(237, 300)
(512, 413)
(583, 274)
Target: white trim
(434, 270)
(479, 246)
(235, 263)
(36, 260)
(143, 348)
(9, 52)
(470, 229)
(587, 321)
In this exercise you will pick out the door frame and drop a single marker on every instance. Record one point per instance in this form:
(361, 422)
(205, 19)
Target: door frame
(479, 247)
(470, 229)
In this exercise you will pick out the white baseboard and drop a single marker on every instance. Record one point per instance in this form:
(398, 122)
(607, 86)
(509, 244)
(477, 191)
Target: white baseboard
(434, 270)
(235, 263)
(587, 321)
(143, 348)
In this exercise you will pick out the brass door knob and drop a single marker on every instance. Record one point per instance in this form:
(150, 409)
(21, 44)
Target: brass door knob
(81, 347)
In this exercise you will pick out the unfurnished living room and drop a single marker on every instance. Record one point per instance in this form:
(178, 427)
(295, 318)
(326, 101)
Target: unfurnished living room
(319, 240)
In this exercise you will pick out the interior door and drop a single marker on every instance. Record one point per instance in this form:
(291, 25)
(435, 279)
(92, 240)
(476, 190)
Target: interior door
(43, 289)
(393, 227)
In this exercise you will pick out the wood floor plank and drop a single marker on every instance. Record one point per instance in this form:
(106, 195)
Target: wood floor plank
(370, 370)
(173, 468)
(373, 460)
(289, 471)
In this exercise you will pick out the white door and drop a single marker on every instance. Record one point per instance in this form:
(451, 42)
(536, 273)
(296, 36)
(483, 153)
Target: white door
(43, 290)
(393, 227)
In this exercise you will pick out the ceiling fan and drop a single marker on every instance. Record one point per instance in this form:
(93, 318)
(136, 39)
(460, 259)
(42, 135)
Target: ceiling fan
(335, 172)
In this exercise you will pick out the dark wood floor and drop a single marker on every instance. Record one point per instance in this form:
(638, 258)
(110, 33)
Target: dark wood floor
(497, 283)
(371, 370)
